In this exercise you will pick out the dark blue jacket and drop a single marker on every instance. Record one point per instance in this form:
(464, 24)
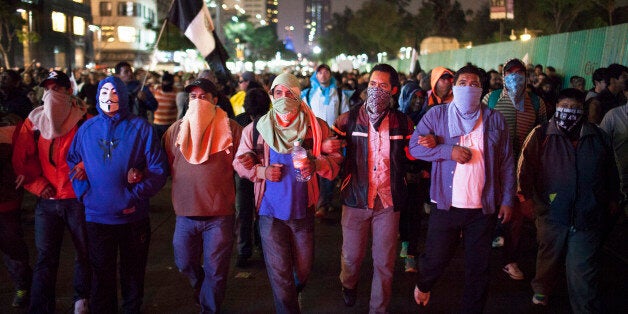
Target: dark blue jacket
(572, 186)
(139, 107)
(353, 126)
(109, 147)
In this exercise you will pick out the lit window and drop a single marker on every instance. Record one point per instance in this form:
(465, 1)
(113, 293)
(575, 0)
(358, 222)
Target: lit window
(78, 1)
(78, 24)
(108, 34)
(129, 8)
(58, 22)
(106, 8)
(126, 34)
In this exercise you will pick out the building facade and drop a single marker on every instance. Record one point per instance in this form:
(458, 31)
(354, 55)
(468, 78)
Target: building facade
(124, 31)
(317, 21)
(62, 27)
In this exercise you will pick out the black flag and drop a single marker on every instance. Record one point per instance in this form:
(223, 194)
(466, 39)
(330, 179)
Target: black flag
(193, 19)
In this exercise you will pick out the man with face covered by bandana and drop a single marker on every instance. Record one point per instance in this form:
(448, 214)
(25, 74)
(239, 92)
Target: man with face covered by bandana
(523, 111)
(40, 156)
(201, 148)
(473, 183)
(117, 164)
(568, 175)
(285, 206)
(374, 191)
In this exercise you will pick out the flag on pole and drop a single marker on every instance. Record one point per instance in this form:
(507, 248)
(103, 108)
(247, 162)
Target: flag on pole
(193, 19)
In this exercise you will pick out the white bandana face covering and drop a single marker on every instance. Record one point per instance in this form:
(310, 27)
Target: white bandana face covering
(108, 98)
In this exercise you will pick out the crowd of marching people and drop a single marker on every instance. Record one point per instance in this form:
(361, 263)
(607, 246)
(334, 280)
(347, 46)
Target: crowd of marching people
(477, 153)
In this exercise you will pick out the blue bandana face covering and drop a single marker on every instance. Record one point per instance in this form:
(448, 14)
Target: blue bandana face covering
(515, 85)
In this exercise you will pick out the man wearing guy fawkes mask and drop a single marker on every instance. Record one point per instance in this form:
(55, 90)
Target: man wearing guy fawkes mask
(374, 189)
(569, 178)
(40, 156)
(117, 165)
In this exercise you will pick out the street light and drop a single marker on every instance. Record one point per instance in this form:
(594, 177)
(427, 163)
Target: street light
(525, 36)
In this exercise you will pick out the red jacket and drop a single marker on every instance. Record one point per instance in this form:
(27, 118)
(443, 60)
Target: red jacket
(43, 161)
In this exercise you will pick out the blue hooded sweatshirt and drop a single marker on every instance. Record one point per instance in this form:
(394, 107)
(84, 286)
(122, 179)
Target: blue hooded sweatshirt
(109, 147)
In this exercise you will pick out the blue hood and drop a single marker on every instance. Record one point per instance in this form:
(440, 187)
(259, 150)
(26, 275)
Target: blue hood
(407, 91)
(315, 84)
(123, 94)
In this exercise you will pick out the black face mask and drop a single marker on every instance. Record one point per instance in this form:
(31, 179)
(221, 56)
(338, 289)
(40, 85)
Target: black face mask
(567, 119)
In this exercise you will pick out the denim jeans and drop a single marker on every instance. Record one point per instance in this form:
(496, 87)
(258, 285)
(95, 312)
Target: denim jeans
(357, 224)
(131, 241)
(245, 211)
(443, 235)
(326, 194)
(289, 256)
(15, 250)
(51, 218)
(211, 239)
(577, 251)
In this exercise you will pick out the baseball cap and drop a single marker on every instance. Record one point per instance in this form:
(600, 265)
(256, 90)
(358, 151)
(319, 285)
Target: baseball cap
(323, 66)
(514, 63)
(205, 84)
(58, 77)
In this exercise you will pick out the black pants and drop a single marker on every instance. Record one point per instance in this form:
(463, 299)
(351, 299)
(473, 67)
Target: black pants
(105, 241)
(443, 235)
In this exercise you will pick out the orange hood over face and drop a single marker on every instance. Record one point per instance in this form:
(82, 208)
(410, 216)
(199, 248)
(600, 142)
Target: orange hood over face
(437, 72)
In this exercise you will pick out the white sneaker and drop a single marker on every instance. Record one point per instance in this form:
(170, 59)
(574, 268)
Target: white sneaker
(498, 242)
(81, 307)
(539, 299)
(420, 297)
(513, 271)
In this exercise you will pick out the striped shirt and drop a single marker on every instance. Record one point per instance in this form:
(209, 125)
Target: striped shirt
(520, 123)
(166, 113)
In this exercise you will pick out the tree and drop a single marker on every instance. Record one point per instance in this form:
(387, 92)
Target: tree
(481, 29)
(11, 28)
(442, 18)
(266, 43)
(338, 39)
(561, 14)
(383, 33)
(238, 34)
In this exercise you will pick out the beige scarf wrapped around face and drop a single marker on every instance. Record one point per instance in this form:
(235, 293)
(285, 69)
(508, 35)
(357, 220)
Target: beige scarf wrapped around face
(58, 115)
(204, 131)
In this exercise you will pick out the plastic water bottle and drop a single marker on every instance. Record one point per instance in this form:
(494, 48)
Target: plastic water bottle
(299, 159)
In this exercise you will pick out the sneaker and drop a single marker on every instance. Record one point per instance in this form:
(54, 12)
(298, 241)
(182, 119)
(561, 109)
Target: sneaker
(513, 271)
(404, 249)
(498, 242)
(20, 299)
(349, 296)
(421, 298)
(81, 307)
(539, 299)
(320, 212)
(410, 264)
(300, 300)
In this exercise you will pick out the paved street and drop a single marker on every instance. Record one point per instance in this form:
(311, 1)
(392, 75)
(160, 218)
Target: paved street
(248, 291)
